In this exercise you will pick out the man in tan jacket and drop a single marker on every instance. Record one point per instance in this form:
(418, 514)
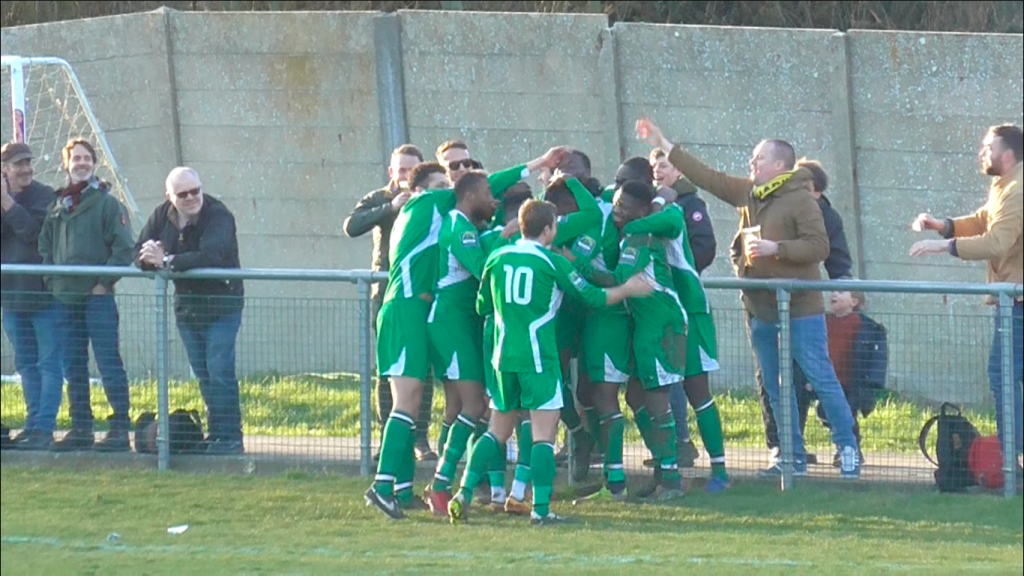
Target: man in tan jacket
(788, 240)
(995, 234)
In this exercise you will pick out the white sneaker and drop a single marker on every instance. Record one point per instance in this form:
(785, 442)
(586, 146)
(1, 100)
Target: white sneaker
(773, 456)
(849, 463)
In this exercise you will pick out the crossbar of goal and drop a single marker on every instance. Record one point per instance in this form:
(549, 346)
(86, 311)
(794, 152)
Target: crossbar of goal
(19, 107)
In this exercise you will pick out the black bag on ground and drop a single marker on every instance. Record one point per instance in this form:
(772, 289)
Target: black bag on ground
(952, 448)
(186, 432)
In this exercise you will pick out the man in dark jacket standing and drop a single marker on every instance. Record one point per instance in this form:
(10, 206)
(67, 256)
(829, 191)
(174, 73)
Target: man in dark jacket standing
(86, 226)
(837, 266)
(193, 230)
(31, 317)
(699, 231)
(377, 212)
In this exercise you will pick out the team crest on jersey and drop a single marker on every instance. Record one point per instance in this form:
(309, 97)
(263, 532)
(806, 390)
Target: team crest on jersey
(628, 256)
(585, 245)
(469, 239)
(577, 280)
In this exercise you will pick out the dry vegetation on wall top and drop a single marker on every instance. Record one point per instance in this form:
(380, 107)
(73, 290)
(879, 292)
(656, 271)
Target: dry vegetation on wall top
(1002, 17)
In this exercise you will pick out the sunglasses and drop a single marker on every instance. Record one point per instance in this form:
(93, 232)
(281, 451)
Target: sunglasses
(468, 163)
(186, 193)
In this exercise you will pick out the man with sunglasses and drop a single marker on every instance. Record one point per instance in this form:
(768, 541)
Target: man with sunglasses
(454, 156)
(193, 230)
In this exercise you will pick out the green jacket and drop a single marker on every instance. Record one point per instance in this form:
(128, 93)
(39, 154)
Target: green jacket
(97, 233)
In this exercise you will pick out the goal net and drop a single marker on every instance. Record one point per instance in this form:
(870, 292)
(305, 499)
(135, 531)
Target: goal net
(45, 107)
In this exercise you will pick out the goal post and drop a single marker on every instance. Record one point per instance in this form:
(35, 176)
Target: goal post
(48, 106)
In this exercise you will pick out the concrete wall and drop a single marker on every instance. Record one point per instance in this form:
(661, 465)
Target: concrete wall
(289, 116)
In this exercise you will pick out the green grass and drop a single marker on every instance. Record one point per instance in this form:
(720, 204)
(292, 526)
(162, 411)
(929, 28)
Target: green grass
(59, 523)
(329, 407)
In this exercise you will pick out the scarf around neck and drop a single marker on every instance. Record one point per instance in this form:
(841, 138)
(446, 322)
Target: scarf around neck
(770, 187)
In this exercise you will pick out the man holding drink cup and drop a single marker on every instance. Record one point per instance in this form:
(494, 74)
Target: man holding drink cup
(781, 235)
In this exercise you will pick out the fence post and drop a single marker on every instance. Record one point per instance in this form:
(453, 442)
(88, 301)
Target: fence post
(784, 419)
(365, 363)
(162, 393)
(1008, 400)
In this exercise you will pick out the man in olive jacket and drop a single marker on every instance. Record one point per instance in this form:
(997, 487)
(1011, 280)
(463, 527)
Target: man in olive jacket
(194, 230)
(31, 317)
(87, 226)
(791, 243)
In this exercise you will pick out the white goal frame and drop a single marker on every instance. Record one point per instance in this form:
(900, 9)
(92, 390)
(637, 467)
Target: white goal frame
(16, 65)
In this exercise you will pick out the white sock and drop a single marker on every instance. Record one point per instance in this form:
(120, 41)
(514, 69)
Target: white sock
(498, 494)
(519, 490)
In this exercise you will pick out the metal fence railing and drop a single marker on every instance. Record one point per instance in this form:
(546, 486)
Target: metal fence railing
(307, 372)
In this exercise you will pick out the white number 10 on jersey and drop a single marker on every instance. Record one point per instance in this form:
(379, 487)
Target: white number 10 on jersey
(518, 285)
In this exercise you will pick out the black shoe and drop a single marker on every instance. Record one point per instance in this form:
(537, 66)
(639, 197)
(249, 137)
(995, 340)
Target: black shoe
(115, 441)
(386, 504)
(35, 441)
(20, 437)
(222, 447)
(812, 460)
(75, 440)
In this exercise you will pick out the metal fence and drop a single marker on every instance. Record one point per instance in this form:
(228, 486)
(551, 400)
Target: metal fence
(307, 373)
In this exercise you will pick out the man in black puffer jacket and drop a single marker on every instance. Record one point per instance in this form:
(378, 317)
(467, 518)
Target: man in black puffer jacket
(192, 230)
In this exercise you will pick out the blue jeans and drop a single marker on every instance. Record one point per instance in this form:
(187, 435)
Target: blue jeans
(995, 373)
(36, 340)
(95, 321)
(677, 400)
(809, 343)
(211, 352)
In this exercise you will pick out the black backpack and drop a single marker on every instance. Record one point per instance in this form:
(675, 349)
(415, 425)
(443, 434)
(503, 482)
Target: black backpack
(952, 449)
(186, 432)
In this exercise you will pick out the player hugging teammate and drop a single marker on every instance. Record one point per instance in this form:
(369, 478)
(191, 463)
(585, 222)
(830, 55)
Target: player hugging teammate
(496, 291)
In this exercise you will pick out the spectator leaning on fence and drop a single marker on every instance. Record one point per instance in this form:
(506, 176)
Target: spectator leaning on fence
(194, 230)
(31, 317)
(783, 236)
(86, 225)
(377, 211)
(993, 234)
(837, 266)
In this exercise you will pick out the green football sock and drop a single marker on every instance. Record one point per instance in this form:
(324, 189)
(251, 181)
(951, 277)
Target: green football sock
(455, 448)
(666, 454)
(480, 457)
(496, 470)
(398, 438)
(543, 469)
(479, 430)
(406, 473)
(524, 445)
(709, 423)
(613, 430)
(646, 427)
(442, 440)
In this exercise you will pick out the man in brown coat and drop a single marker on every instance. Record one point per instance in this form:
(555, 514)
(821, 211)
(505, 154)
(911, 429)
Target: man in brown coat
(782, 235)
(995, 234)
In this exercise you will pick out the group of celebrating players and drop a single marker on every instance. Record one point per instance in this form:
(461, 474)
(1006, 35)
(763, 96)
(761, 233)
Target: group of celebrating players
(495, 291)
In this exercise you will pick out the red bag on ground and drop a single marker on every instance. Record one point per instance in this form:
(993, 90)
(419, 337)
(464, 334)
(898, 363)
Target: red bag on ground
(986, 462)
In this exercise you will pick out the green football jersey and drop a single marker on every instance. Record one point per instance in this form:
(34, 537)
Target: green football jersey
(586, 220)
(597, 256)
(648, 255)
(460, 265)
(414, 237)
(523, 284)
(670, 224)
